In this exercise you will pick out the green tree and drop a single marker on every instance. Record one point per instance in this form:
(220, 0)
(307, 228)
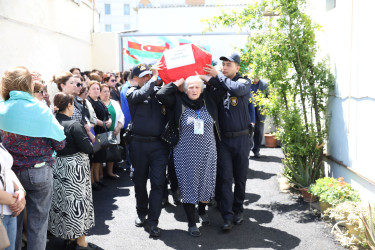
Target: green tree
(282, 48)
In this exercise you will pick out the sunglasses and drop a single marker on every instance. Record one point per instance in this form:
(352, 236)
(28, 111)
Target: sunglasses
(40, 92)
(79, 85)
(113, 80)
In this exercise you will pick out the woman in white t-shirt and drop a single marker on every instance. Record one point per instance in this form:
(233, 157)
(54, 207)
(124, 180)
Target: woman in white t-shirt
(7, 198)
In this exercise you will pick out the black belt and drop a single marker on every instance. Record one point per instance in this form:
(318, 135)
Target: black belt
(145, 138)
(236, 134)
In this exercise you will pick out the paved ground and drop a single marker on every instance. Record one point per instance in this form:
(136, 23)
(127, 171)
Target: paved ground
(274, 220)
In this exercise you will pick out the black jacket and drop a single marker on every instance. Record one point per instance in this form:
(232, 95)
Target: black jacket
(233, 107)
(171, 98)
(148, 116)
(76, 137)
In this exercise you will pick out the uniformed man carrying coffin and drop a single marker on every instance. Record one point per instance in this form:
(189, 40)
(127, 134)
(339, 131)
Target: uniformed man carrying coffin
(148, 154)
(234, 147)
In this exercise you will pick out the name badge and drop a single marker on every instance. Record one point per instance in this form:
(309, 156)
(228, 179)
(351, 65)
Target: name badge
(198, 127)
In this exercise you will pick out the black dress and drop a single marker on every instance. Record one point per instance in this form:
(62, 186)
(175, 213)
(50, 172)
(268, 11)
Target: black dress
(102, 114)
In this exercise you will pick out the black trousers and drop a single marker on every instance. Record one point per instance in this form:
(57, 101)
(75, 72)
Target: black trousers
(171, 176)
(149, 160)
(258, 135)
(233, 163)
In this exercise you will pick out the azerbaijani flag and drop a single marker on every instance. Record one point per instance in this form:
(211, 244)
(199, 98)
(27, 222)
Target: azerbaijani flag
(129, 58)
(146, 50)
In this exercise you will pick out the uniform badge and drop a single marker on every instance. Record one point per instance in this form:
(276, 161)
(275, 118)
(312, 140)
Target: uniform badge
(163, 109)
(250, 101)
(142, 67)
(234, 101)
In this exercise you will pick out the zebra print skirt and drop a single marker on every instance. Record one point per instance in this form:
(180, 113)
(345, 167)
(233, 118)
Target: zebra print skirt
(72, 210)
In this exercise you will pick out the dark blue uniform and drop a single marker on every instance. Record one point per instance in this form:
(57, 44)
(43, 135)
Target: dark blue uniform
(260, 118)
(234, 148)
(148, 154)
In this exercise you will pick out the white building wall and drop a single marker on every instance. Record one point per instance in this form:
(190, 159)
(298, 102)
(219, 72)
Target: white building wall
(180, 19)
(349, 41)
(46, 36)
(117, 19)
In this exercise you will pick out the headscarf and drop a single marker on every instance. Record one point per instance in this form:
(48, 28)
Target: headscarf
(22, 114)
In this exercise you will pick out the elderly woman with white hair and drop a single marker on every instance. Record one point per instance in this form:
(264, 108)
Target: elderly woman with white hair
(196, 117)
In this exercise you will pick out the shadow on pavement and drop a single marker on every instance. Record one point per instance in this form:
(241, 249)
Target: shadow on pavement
(298, 210)
(178, 212)
(265, 158)
(248, 235)
(254, 174)
(104, 202)
(251, 198)
(103, 207)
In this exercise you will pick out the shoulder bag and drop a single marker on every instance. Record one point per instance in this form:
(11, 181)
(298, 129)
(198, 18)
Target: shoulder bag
(104, 140)
(170, 134)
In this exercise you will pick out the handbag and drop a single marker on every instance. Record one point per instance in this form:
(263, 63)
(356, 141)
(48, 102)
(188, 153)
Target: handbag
(170, 134)
(114, 153)
(104, 140)
(4, 240)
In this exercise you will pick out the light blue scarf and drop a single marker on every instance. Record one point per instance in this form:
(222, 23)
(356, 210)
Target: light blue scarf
(22, 114)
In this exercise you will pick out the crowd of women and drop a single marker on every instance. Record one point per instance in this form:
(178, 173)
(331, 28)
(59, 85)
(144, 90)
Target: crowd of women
(49, 165)
(46, 152)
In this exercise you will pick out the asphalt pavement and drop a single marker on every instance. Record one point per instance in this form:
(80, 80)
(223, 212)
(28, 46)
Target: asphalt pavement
(273, 219)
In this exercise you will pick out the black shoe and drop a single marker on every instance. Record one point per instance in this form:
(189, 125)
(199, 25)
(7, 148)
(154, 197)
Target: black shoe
(95, 186)
(238, 219)
(101, 183)
(89, 247)
(227, 226)
(69, 244)
(154, 231)
(176, 197)
(194, 231)
(140, 221)
(113, 177)
(257, 155)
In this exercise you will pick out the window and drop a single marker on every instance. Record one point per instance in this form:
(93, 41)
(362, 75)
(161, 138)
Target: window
(126, 26)
(330, 4)
(107, 9)
(141, 5)
(126, 9)
(108, 28)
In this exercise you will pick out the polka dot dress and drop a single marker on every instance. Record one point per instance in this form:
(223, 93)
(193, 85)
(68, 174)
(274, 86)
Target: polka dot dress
(195, 158)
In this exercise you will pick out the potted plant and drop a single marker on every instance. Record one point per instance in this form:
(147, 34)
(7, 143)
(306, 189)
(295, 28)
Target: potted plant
(347, 213)
(369, 225)
(302, 177)
(270, 140)
(284, 50)
(333, 191)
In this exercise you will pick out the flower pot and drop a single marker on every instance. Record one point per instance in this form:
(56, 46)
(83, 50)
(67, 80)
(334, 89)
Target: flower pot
(324, 206)
(271, 141)
(352, 229)
(307, 197)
